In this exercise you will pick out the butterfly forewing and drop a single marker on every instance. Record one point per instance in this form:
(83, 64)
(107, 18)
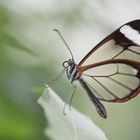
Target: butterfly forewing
(135, 49)
(119, 44)
(112, 67)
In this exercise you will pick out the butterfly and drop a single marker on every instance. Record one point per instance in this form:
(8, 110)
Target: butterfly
(111, 70)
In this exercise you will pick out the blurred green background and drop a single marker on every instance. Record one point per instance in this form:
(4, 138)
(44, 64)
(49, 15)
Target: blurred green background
(32, 54)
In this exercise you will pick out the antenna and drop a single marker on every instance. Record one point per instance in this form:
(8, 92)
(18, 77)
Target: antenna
(60, 35)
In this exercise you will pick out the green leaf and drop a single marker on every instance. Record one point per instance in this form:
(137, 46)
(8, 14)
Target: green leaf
(72, 126)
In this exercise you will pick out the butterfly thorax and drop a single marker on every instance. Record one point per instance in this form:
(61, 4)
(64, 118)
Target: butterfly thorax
(72, 70)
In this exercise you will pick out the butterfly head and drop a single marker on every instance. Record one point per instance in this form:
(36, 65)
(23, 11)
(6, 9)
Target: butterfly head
(69, 63)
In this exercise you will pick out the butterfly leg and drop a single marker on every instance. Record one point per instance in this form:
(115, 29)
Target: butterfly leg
(70, 100)
(49, 84)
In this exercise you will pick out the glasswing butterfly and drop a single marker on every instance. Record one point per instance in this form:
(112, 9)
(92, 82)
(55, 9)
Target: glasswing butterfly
(111, 70)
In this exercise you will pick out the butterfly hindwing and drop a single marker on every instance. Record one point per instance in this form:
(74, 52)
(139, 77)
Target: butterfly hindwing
(113, 80)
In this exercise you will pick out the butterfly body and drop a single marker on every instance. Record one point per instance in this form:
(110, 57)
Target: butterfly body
(74, 74)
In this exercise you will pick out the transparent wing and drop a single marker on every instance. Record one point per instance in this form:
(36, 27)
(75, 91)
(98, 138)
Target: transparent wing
(113, 80)
(118, 45)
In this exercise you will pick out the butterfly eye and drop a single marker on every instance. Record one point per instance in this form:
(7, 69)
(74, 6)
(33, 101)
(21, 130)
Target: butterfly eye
(65, 64)
(71, 62)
